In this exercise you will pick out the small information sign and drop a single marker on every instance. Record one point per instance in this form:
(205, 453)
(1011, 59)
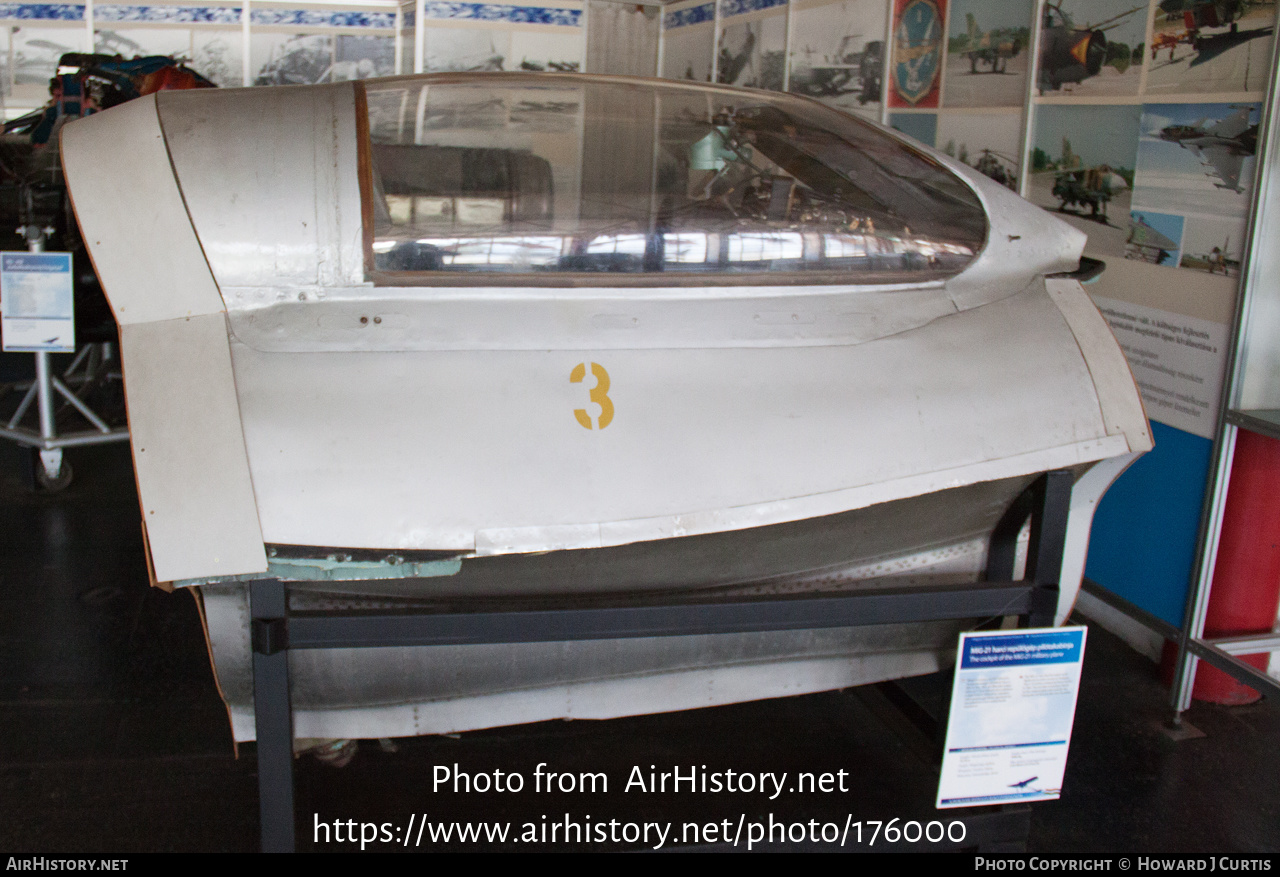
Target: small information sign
(37, 307)
(1012, 706)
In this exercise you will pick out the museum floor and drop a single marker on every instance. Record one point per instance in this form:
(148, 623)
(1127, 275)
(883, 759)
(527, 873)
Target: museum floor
(114, 739)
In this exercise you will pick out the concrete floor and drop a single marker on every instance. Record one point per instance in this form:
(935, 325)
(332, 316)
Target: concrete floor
(115, 740)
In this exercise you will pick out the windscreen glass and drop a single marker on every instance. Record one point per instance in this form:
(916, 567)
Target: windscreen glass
(549, 175)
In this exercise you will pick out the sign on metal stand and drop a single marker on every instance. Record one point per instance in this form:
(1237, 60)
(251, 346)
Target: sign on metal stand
(1013, 703)
(37, 304)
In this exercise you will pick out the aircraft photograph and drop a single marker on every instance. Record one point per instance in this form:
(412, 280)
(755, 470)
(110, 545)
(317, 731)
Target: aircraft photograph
(988, 53)
(1196, 158)
(1221, 146)
(1213, 245)
(986, 141)
(1211, 46)
(465, 50)
(843, 68)
(1082, 168)
(36, 52)
(753, 54)
(1091, 47)
(289, 59)
(1154, 238)
(217, 57)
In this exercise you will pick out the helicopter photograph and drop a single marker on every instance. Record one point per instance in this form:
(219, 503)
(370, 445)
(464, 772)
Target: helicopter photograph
(985, 141)
(1091, 47)
(1209, 46)
(988, 53)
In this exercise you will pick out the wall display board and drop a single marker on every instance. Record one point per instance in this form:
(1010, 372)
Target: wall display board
(1145, 122)
(39, 34)
(1137, 122)
(283, 44)
(303, 45)
(981, 89)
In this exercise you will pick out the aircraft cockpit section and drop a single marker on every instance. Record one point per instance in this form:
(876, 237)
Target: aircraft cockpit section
(598, 177)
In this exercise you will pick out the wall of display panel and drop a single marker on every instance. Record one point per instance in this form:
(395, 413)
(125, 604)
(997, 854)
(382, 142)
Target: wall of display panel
(231, 43)
(1134, 120)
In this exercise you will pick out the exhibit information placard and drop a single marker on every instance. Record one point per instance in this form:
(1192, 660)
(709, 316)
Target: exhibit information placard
(37, 308)
(1012, 705)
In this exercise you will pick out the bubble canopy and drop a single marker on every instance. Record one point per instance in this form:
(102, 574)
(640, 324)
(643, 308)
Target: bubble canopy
(599, 180)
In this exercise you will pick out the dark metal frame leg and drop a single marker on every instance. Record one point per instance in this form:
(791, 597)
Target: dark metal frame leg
(273, 715)
(1048, 503)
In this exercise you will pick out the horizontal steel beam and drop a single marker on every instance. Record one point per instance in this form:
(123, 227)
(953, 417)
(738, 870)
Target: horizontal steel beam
(1234, 667)
(1248, 644)
(318, 630)
(33, 439)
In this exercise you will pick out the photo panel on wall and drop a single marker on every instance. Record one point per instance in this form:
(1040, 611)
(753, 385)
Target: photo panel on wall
(1082, 167)
(919, 126)
(1201, 47)
(1196, 161)
(837, 53)
(462, 37)
(282, 58)
(988, 53)
(218, 55)
(1092, 48)
(988, 142)
(753, 44)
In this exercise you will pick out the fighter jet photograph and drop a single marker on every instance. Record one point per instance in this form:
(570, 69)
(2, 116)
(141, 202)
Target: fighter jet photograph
(1196, 159)
(987, 53)
(1211, 46)
(1087, 47)
(1221, 146)
(1213, 246)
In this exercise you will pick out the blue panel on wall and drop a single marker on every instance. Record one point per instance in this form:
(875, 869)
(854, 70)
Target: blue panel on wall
(921, 126)
(1145, 530)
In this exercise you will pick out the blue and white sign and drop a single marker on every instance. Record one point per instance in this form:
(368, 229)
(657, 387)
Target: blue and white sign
(1012, 707)
(37, 308)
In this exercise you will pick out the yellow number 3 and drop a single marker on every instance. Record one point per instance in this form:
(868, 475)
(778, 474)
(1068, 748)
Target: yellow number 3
(599, 394)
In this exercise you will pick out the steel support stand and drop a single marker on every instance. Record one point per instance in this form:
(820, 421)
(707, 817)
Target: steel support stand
(44, 391)
(276, 630)
(273, 714)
